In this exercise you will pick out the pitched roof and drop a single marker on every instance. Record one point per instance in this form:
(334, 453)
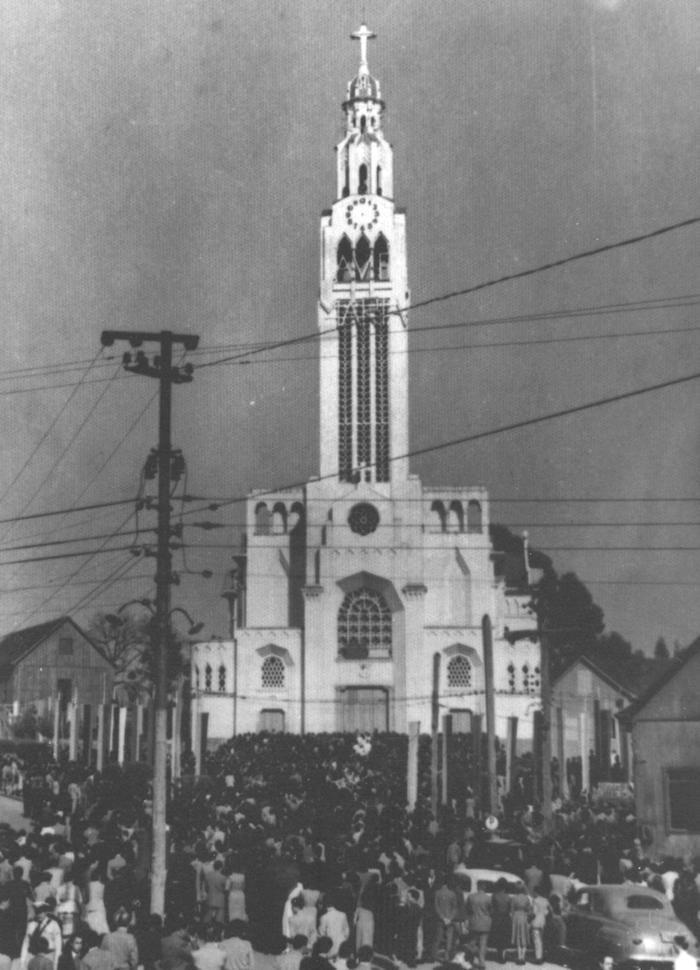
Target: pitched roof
(16, 645)
(599, 672)
(668, 674)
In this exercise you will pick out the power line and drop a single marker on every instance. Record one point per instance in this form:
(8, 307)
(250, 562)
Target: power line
(631, 240)
(552, 316)
(536, 342)
(88, 417)
(491, 432)
(50, 428)
(650, 303)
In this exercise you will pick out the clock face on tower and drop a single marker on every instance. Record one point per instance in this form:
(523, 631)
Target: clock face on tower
(362, 214)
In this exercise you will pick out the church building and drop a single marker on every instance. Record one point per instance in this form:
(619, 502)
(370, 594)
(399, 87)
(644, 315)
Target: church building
(356, 581)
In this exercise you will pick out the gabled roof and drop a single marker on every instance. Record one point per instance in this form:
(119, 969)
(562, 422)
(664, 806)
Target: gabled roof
(15, 646)
(653, 689)
(598, 672)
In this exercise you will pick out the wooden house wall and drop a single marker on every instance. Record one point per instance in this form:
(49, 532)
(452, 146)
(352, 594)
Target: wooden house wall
(35, 678)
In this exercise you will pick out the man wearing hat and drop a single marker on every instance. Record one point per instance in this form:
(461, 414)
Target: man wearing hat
(47, 926)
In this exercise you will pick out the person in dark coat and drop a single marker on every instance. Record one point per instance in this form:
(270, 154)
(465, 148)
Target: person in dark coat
(500, 935)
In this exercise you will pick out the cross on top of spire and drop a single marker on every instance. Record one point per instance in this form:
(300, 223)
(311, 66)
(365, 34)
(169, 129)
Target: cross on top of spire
(363, 35)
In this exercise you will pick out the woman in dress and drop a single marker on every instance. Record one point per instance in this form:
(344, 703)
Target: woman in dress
(95, 912)
(520, 909)
(235, 889)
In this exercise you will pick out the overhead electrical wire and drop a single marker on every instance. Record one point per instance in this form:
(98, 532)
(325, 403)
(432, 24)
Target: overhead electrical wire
(88, 417)
(542, 267)
(555, 316)
(51, 426)
(491, 432)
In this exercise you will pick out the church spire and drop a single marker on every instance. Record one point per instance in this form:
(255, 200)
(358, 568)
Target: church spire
(363, 35)
(363, 87)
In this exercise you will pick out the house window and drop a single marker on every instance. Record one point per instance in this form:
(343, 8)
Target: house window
(65, 646)
(364, 624)
(459, 672)
(222, 679)
(683, 799)
(272, 674)
(207, 677)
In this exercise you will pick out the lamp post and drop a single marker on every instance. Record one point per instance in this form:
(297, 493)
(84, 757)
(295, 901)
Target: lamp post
(231, 593)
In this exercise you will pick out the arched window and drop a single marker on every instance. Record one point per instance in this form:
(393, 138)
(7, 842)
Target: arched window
(362, 255)
(456, 517)
(379, 179)
(279, 519)
(511, 677)
(346, 187)
(474, 521)
(222, 679)
(459, 672)
(262, 519)
(196, 677)
(381, 258)
(439, 510)
(272, 673)
(364, 624)
(345, 268)
(362, 183)
(526, 678)
(207, 677)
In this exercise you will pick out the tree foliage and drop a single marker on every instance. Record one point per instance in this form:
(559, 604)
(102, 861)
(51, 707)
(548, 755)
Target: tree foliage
(127, 640)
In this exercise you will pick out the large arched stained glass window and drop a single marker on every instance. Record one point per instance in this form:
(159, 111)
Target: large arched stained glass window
(364, 624)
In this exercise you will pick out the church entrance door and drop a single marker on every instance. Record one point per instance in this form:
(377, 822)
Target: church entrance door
(364, 709)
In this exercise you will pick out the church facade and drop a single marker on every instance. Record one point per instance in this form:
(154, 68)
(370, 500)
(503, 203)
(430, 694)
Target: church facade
(357, 581)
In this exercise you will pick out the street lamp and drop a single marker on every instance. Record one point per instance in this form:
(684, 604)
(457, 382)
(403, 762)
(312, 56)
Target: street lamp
(233, 588)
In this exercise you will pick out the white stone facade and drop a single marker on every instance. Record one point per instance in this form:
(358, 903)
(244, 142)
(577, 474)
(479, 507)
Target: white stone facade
(355, 581)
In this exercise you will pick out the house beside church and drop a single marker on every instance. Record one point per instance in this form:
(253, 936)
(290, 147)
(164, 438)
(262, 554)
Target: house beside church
(357, 580)
(57, 669)
(665, 726)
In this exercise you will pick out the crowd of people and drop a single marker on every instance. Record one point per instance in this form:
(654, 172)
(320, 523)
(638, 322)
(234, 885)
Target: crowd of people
(302, 848)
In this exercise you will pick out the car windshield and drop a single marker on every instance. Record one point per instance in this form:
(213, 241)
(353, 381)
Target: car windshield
(644, 902)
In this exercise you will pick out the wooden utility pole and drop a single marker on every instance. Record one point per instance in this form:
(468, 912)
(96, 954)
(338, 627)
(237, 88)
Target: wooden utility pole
(434, 736)
(487, 645)
(162, 369)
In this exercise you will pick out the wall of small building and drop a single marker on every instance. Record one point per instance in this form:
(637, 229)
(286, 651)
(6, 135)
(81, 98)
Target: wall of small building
(665, 740)
(576, 696)
(49, 668)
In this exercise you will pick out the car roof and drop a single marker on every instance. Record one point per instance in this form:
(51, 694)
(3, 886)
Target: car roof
(486, 875)
(622, 889)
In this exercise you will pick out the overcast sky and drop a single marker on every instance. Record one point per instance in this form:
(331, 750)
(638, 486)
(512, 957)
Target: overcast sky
(165, 164)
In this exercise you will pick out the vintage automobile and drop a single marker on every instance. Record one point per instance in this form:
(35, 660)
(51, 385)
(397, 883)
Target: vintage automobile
(470, 879)
(633, 924)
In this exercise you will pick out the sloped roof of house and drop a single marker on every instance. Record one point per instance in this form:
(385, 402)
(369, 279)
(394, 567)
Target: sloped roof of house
(674, 667)
(627, 692)
(15, 646)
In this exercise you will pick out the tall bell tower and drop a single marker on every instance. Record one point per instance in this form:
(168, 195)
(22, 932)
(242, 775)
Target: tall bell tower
(363, 293)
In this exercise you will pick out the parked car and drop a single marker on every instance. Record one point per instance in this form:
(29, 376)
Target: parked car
(486, 879)
(633, 924)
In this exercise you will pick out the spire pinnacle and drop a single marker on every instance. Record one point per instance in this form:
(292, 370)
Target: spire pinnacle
(363, 35)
